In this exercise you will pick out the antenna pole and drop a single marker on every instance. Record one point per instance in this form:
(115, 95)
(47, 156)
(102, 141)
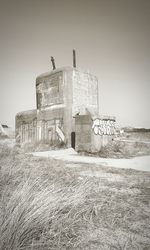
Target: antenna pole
(53, 62)
(74, 58)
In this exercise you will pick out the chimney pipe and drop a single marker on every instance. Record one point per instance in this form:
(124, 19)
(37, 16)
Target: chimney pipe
(74, 58)
(53, 62)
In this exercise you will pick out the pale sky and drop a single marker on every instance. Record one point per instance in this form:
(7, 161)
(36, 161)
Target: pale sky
(112, 41)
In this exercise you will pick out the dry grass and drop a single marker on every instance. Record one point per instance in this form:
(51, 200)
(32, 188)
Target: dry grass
(122, 149)
(47, 205)
(42, 146)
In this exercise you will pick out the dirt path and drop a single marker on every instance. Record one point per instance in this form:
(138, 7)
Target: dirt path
(139, 163)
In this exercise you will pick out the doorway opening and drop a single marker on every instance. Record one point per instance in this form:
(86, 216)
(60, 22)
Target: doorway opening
(73, 140)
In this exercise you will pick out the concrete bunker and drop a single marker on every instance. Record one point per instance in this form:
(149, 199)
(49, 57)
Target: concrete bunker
(65, 98)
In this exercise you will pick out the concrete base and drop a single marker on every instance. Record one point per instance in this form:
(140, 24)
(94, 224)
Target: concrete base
(93, 133)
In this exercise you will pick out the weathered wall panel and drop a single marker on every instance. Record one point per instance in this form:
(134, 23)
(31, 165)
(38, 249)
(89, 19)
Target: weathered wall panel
(49, 89)
(85, 92)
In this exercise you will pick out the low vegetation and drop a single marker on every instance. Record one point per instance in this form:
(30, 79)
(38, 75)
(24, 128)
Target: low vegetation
(122, 149)
(49, 204)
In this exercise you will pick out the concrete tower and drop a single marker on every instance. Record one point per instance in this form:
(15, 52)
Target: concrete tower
(61, 94)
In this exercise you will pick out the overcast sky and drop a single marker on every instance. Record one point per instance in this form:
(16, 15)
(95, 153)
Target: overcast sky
(112, 40)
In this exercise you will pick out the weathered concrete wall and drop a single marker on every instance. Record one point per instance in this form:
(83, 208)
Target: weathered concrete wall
(48, 120)
(49, 89)
(68, 118)
(93, 134)
(83, 126)
(39, 126)
(26, 124)
(85, 93)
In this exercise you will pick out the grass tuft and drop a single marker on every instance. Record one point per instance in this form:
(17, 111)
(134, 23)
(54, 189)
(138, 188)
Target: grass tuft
(47, 205)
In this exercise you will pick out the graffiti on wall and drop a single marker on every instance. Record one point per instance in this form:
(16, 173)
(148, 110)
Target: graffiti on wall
(103, 127)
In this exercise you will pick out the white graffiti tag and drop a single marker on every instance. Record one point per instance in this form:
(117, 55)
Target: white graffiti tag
(103, 127)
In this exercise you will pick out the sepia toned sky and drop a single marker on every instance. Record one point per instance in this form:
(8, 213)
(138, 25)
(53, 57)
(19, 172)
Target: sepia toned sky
(112, 41)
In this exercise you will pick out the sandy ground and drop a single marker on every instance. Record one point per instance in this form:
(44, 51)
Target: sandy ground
(141, 163)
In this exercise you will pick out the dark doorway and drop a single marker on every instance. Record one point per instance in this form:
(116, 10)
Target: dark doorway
(73, 140)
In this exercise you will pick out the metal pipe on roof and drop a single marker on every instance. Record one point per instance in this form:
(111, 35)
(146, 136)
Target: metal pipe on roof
(53, 62)
(74, 58)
